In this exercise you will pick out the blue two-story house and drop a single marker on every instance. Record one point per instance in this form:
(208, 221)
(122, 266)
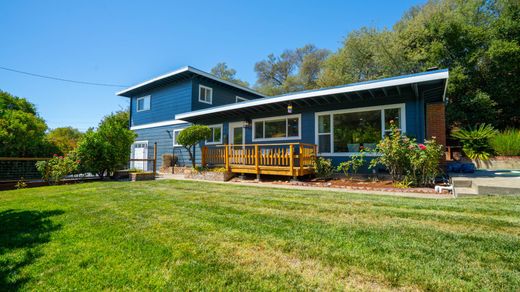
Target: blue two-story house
(339, 120)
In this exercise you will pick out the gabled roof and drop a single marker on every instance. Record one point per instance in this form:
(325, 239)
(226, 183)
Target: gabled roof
(438, 77)
(183, 73)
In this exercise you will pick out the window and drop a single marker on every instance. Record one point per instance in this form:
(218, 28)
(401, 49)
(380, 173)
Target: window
(205, 94)
(277, 128)
(216, 134)
(348, 131)
(143, 103)
(175, 135)
(240, 99)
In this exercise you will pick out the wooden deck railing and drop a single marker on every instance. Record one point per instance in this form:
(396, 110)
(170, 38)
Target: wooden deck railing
(291, 159)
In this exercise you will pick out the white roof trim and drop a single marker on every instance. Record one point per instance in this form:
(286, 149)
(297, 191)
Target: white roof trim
(336, 90)
(158, 124)
(193, 70)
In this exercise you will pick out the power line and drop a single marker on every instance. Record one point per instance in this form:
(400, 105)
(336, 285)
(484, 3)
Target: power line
(62, 79)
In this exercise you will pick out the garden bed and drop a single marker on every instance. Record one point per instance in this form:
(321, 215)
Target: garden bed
(138, 176)
(342, 183)
(208, 175)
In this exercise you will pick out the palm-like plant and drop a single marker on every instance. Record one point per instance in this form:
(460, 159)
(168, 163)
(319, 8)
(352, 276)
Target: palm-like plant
(475, 141)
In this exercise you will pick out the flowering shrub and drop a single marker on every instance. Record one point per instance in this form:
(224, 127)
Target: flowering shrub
(54, 169)
(353, 165)
(324, 168)
(407, 161)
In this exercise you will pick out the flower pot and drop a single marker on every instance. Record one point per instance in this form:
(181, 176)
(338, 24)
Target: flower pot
(353, 147)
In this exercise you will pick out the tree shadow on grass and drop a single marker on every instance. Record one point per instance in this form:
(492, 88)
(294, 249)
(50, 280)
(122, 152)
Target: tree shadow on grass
(21, 234)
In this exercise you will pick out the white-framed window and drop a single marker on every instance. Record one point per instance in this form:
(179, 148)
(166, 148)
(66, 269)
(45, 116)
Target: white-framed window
(175, 135)
(216, 135)
(345, 132)
(205, 94)
(277, 128)
(143, 103)
(240, 99)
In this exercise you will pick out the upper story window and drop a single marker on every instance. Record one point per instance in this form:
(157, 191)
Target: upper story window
(216, 134)
(205, 94)
(277, 128)
(240, 99)
(143, 103)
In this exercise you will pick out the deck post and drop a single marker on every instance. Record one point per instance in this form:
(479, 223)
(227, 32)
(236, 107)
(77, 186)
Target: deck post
(257, 163)
(291, 159)
(226, 156)
(300, 156)
(155, 158)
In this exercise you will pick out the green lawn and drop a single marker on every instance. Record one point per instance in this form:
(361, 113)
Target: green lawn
(173, 235)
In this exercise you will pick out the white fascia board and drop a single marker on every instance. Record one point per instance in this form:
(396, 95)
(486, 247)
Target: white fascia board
(153, 80)
(336, 90)
(158, 124)
(193, 70)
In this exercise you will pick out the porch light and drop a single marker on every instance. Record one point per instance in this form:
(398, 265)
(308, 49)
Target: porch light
(289, 108)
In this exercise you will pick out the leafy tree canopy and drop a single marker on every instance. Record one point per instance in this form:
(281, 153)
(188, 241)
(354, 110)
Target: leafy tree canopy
(22, 131)
(64, 138)
(293, 70)
(222, 71)
(191, 136)
(107, 149)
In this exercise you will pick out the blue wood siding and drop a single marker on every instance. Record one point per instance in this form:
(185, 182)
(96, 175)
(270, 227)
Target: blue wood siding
(165, 102)
(222, 94)
(163, 137)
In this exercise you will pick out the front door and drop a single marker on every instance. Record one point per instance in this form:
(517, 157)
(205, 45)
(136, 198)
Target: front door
(140, 152)
(237, 139)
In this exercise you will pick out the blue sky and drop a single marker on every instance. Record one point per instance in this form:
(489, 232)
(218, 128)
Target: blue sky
(127, 42)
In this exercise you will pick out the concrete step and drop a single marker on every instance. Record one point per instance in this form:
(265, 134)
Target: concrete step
(462, 182)
(465, 192)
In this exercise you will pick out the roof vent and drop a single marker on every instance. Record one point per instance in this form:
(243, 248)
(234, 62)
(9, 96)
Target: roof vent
(432, 68)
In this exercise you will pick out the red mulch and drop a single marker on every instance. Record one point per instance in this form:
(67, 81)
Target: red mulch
(352, 184)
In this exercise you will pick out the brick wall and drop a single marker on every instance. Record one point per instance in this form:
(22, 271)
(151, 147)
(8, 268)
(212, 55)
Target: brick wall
(436, 122)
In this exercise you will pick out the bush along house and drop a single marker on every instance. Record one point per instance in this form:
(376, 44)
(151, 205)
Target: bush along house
(252, 133)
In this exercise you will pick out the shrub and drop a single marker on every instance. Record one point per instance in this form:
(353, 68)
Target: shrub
(107, 149)
(54, 169)
(323, 167)
(408, 162)
(506, 143)
(475, 141)
(169, 160)
(353, 165)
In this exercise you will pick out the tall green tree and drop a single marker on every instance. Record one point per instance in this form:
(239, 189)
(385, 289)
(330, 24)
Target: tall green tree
(290, 71)
(64, 138)
(22, 131)
(108, 148)
(222, 71)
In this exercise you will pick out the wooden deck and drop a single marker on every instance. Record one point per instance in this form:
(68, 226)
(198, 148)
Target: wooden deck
(290, 159)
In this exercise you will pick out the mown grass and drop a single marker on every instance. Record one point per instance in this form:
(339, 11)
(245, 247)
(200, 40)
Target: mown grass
(174, 235)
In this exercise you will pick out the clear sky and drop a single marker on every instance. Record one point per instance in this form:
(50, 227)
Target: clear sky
(127, 42)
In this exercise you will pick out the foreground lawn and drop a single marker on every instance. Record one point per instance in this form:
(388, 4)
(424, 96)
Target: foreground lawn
(172, 235)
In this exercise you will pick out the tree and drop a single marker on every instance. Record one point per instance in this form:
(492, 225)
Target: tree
(107, 149)
(291, 71)
(22, 131)
(222, 71)
(191, 136)
(64, 138)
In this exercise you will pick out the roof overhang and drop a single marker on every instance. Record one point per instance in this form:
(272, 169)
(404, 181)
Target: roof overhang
(430, 85)
(180, 74)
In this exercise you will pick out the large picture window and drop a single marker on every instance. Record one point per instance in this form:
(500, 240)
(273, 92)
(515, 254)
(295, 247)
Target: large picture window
(277, 128)
(216, 134)
(349, 131)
